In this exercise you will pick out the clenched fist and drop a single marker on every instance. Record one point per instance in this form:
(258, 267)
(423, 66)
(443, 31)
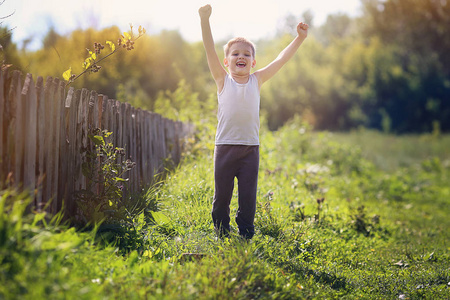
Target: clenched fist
(205, 11)
(302, 29)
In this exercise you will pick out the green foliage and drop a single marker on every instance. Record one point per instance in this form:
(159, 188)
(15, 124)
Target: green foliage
(105, 169)
(10, 57)
(361, 223)
(131, 92)
(121, 217)
(266, 221)
(418, 31)
(389, 152)
(184, 105)
(384, 70)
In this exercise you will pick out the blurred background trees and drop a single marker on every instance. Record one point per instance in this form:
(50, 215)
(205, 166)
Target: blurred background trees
(388, 69)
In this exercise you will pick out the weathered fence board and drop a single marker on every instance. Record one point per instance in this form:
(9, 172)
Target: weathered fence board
(58, 146)
(19, 129)
(43, 133)
(40, 171)
(29, 100)
(2, 129)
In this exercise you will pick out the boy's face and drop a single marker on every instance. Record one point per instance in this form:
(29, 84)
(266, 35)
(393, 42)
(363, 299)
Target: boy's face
(240, 59)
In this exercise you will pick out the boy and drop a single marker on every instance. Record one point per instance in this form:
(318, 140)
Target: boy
(236, 152)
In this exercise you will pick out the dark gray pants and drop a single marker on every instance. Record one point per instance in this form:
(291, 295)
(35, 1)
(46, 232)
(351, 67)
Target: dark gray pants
(242, 162)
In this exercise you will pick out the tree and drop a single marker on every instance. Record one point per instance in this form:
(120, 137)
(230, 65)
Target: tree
(8, 50)
(419, 26)
(337, 26)
(417, 96)
(9, 55)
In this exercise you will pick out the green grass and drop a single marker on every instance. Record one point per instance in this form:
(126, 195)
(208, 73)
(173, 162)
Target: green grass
(390, 152)
(380, 233)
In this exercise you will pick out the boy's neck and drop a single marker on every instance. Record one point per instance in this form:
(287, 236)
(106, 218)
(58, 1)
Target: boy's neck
(241, 79)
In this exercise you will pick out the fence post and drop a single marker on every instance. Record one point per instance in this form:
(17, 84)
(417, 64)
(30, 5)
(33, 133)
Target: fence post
(40, 171)
(70, 127)
(99, 110)
(17, 123)
(29, 100)
(138, 142)
(2, 129)
(59, 142)
(48, 139)
(104, 113)
(133, 144)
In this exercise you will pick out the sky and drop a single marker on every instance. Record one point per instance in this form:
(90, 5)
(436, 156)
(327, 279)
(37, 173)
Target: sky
(253, 19)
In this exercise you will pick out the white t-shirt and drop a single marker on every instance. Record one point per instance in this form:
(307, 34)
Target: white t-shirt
(238, 113)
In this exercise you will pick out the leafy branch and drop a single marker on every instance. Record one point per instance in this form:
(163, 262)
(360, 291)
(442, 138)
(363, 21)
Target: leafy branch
(91, 63)
(6, 33)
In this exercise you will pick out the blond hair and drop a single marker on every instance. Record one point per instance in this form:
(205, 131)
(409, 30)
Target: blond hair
(235, 40)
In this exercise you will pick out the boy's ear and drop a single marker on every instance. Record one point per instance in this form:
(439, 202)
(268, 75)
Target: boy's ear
(253, 63)
(225, 62)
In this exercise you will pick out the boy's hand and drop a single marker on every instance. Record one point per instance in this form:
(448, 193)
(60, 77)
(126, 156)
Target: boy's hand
(205, 11)
(302, 29)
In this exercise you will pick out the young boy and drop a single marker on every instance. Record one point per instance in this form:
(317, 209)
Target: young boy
(236, 152)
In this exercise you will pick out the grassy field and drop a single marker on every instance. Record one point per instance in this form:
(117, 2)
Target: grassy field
(389, 152)
(354, 216)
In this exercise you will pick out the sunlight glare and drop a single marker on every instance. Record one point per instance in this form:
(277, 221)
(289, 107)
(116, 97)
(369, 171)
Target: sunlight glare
(253, 19)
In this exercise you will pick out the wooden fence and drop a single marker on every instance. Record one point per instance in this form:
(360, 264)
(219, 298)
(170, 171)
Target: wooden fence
(42, 132)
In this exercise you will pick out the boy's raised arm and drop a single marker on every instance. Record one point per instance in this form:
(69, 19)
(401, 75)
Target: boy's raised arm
(217, 71)
(271, 69)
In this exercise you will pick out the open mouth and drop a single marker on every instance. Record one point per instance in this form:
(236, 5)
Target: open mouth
(241, 64)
